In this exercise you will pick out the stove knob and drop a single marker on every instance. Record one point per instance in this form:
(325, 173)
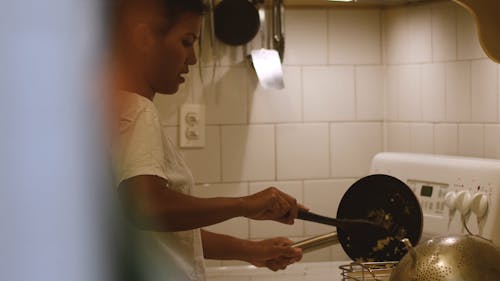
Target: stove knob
(464, 202)
(450, 200)
(479, 204)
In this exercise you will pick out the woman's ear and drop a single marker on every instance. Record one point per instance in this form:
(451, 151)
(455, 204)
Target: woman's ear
(143, 37)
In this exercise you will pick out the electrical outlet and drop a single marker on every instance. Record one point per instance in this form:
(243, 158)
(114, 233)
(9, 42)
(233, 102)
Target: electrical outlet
(192, 125)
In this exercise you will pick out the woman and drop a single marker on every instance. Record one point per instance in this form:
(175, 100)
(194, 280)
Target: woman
(153, 48)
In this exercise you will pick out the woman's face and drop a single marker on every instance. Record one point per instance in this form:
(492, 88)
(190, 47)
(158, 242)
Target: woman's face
(172, 53)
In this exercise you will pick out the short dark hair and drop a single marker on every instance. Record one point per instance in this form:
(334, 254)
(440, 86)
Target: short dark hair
(173, 8)
(119, 10)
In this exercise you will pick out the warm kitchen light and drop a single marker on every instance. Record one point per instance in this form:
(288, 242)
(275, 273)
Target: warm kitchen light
(341, 0)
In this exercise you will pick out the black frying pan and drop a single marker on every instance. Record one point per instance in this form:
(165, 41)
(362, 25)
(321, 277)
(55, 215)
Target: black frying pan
(386, 202)
(236, 22)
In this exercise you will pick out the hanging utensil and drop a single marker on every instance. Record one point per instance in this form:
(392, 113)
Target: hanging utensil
(267, 62)
(200, 47)
(211, 20)
(236, 21)
(267, 65)
(277, 26)
(213, 42)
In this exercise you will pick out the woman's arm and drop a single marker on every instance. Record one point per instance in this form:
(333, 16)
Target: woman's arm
(274, 253)
(152, 206)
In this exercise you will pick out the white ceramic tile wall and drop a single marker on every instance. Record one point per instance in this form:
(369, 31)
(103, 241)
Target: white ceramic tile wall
(225, 99)
(248, 153)
(369, 93)
(306, 37)
(408, 35)
(323, 197)
(395, 35)
(458, 84)
(354, 37)
(353, 146)
(329, 93)
(446, 139)
(422, 138)
(444, 32)
(409, 97)
(491, 141)
(302, 151)
(276, 106)
(468, 46)
(410, 79)
(391, 98)
(433, 92)
(471, 140)
(420, 39)
(484, 87)
(458, 95)
(498, 87)
(398, 137)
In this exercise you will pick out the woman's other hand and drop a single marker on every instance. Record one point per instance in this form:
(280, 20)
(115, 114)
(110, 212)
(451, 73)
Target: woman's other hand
(275, 253)
(271, 204)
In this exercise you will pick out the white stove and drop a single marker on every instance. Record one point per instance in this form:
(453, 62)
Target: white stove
(448, 188)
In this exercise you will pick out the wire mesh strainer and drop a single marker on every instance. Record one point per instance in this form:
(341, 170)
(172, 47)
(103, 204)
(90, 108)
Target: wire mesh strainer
(465, 258)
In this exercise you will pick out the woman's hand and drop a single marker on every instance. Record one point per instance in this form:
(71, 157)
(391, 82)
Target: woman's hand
(271, 204)
(275, 253)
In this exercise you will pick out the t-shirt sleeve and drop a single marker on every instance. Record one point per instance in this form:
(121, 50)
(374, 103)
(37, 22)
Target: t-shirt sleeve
(141, 151)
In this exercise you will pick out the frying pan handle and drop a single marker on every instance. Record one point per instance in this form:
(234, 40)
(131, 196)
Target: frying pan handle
(317, 242)
(309, 216)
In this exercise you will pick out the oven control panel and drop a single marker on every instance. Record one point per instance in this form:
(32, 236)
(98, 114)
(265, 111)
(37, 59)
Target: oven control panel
(430, 195)
(451, 190)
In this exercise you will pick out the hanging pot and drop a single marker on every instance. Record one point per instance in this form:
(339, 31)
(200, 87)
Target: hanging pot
(380, 199)
(236, 22)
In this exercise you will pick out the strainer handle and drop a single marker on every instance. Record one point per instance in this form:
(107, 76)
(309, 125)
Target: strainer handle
(410, 248)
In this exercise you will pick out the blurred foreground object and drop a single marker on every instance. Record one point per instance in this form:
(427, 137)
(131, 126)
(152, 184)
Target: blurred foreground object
(53, 166)
(485, 13)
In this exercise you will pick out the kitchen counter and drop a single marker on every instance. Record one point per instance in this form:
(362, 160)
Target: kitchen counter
(311, 271)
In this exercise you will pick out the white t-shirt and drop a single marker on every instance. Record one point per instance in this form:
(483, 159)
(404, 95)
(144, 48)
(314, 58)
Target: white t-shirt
(143, 149)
